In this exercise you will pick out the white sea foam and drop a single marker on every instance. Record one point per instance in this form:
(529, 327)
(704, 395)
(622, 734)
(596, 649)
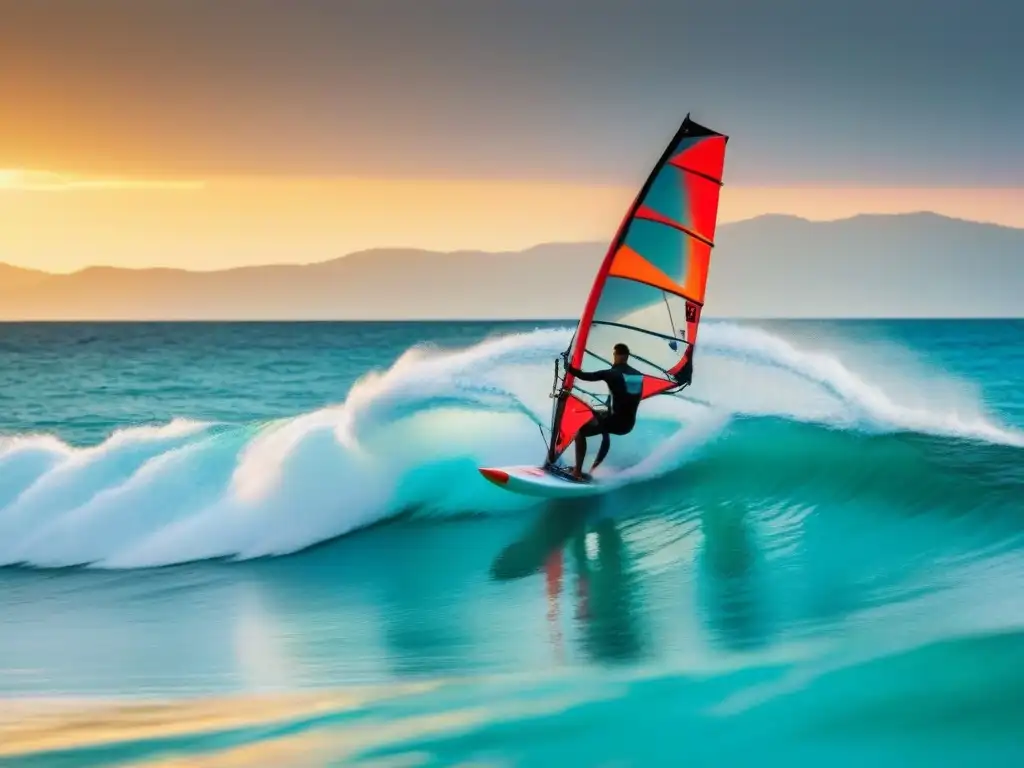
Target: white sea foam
(409, 438)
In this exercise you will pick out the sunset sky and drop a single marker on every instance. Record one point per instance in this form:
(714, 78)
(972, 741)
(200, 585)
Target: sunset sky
(205, 134)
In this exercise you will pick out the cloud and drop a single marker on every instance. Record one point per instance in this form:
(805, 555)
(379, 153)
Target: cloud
(22, 180)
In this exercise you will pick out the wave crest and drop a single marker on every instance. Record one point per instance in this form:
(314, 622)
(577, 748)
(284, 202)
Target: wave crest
(406, 438)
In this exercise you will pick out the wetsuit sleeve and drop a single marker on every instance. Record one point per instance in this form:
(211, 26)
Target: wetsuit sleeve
(584, 376)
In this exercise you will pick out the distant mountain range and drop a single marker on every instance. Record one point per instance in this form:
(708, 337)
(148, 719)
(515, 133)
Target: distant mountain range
(918, 265)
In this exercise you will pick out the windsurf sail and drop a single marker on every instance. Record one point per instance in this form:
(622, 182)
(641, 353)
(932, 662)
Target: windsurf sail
(649, 289)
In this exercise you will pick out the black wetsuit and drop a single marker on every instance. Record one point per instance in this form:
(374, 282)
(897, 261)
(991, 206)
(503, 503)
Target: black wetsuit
(626, 387)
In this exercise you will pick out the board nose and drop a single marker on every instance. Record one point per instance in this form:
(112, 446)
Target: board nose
(496, 476)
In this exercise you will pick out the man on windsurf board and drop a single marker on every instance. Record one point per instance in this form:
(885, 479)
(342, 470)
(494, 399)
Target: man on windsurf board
(625, 384)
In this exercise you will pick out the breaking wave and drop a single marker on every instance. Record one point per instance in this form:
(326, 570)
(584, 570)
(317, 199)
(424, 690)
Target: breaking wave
(764, 416)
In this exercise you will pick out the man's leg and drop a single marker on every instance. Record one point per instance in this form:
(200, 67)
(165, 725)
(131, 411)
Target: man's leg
(581, 454)
(606, 442)
(591, 428)
(608, 426)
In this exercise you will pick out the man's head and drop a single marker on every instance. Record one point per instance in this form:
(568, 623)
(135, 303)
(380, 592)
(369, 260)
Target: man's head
(620, 354)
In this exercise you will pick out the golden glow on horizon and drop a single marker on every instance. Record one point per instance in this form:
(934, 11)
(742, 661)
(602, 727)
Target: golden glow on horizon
(24, 179)
(228, 222)
(29, 180)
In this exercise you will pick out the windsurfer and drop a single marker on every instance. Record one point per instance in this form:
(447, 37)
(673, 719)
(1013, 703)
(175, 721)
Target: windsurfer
(625, 384)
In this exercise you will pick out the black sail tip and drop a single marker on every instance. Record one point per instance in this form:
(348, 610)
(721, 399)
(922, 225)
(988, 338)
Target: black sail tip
(691, 127)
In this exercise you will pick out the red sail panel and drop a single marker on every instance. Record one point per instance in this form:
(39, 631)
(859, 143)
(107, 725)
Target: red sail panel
(650, 287)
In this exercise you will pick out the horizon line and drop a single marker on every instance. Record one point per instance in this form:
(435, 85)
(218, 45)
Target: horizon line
(510, 321)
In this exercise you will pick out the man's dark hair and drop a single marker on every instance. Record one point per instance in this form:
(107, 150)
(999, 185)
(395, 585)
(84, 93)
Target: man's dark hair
(621, 349)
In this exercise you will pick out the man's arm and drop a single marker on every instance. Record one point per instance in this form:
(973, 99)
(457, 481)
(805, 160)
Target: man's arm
(584, 376)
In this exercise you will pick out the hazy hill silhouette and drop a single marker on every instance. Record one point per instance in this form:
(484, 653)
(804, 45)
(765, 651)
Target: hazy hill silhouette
(18, 279)
(771, 266)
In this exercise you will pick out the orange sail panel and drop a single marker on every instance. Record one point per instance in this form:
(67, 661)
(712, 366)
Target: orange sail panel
(649, 290)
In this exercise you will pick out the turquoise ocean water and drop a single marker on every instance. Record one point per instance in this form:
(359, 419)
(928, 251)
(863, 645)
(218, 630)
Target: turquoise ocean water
(821, 562)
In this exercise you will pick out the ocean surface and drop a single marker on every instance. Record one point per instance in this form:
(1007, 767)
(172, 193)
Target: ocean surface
(268, 544)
